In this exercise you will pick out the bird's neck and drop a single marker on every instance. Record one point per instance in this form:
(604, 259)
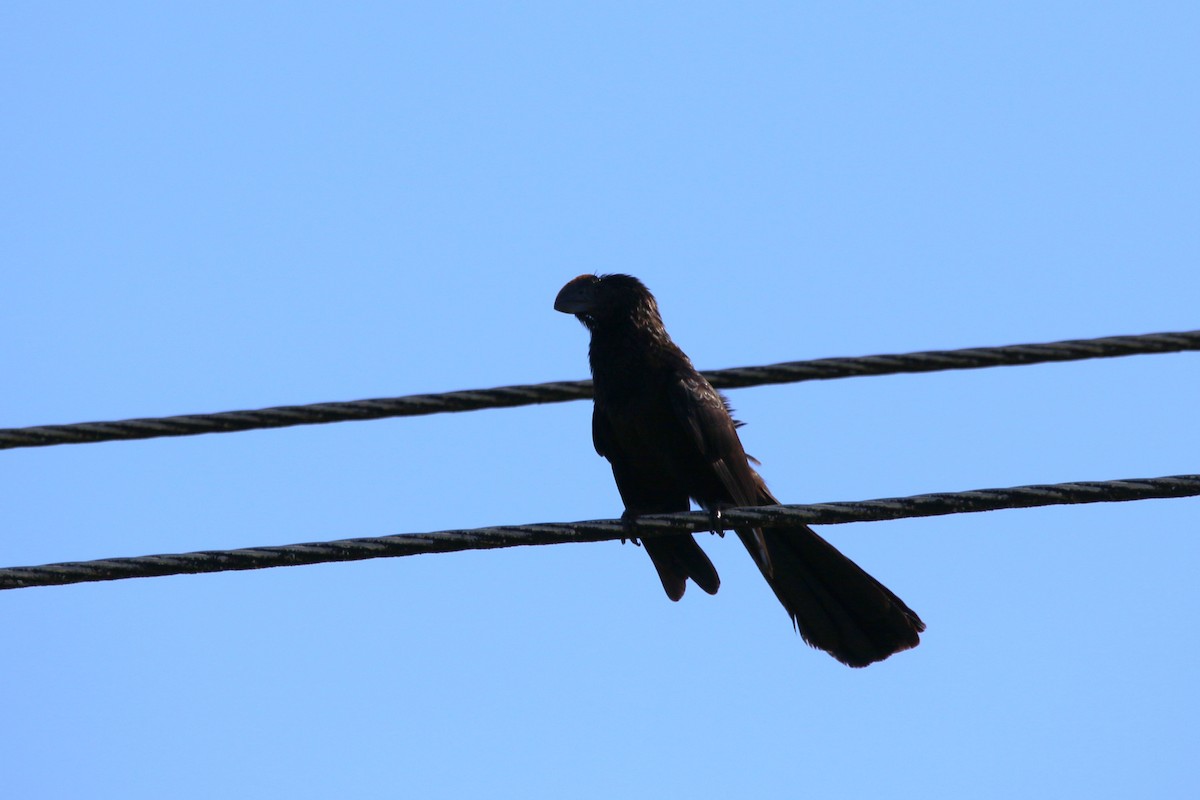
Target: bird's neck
(624, 353)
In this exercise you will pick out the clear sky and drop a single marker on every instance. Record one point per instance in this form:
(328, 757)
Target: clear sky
(220, 206)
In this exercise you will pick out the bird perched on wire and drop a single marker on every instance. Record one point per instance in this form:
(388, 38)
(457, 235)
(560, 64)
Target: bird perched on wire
(670, 438)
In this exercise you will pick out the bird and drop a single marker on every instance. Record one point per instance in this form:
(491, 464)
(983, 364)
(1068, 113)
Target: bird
(671, 439)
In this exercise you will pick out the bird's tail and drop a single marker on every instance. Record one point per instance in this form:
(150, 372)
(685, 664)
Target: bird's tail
(677, 558)
(834, 604)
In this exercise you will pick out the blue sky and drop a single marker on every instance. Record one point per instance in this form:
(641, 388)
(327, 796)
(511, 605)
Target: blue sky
(212, 207)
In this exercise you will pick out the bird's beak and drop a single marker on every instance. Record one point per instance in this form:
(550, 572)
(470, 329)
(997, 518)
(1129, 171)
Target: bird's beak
(578, 296)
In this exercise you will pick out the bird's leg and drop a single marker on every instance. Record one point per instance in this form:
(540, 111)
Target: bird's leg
(718, 525)
(761, 554)
(628, 518)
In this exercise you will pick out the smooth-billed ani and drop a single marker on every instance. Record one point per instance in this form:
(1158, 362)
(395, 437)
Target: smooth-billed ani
(670, 438)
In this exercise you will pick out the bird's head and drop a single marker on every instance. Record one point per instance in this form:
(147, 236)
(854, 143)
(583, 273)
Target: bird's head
(603, 300)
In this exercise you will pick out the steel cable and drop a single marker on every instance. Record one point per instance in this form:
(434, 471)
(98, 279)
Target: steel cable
(562, 391)
(597, 530)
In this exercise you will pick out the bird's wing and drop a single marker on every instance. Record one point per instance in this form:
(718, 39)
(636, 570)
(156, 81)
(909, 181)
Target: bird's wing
(705, 416)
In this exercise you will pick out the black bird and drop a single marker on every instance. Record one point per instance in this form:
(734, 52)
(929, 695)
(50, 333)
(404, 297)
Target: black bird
(670, 438)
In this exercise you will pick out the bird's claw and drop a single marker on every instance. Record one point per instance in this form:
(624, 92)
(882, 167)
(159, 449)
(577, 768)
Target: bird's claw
(718, 526)
(627, 519)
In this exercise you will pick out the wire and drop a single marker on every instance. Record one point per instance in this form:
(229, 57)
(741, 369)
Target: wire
(926, 505)
(562, 391)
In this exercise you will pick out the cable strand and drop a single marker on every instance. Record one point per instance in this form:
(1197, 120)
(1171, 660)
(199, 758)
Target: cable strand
(398, 545)
(563, 391)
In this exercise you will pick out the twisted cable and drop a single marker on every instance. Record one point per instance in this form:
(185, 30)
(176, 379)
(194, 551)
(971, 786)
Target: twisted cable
(449, 541)
(562, 391)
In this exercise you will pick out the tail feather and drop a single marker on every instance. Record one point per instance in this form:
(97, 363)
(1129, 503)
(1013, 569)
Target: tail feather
(834, 604)
(677, 558)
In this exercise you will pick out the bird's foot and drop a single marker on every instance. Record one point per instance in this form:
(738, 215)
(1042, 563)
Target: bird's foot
(718, 525)
(627, 519)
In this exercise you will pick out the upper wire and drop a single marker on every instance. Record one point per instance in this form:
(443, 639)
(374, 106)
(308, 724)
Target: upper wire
(562, 391)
